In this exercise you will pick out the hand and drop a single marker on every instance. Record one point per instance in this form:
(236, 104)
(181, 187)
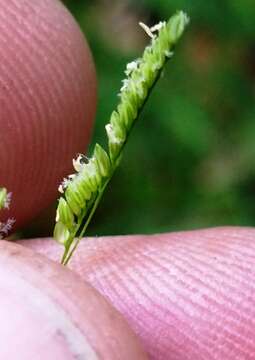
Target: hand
(47, 101)
(186, 296)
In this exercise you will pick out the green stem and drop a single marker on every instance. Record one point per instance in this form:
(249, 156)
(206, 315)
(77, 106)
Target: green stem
(68, 250)
(92, 178)
(68, 253)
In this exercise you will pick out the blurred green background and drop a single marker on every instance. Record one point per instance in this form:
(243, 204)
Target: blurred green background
(190, 161)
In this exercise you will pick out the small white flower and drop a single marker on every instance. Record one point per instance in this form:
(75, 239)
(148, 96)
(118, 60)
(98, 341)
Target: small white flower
(61, 189)
(132, 66)
(77, 164)
(112, 135)
(151, 30)
(158, 26)
(125, 85)
(80, 162)
(147, 30)
(64, 185)
(72, 176)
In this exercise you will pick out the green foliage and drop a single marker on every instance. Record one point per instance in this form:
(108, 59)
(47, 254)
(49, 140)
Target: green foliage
(191, 163)
(84, 189)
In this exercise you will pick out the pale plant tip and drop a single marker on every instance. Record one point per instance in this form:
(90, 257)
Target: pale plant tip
(77, 163)
(64, 213)
(177, 25)
(5, 199)
(61, 189)
(147, 29)
(185, 17)
(64, 184)
(125, 83)
(169, 54)
(158, 26)
(61, 233)
(131, 67)
(102, 159)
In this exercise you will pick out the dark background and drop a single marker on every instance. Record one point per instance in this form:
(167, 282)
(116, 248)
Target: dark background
(190, 161)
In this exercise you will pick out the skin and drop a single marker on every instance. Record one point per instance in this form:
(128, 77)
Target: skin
(186, 295)
(47, 312)
(47, 101)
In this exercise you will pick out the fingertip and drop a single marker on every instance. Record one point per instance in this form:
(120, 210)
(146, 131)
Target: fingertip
(188, 295)
(47, 312)
(48, 101)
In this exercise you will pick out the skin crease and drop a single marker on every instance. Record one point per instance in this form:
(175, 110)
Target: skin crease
(187, 295)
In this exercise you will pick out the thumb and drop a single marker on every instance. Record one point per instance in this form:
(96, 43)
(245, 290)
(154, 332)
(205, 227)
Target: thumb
(48, 312)
(47, 101)
(188, 295)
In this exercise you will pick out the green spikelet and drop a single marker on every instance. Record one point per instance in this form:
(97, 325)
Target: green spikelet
(83, 190)
(5, 199)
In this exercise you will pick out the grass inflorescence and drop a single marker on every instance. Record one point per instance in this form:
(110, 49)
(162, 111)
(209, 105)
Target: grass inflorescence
(83, 190)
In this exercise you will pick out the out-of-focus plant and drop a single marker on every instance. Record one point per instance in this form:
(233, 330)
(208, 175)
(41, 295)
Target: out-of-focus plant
(205, 123)
(5, 200)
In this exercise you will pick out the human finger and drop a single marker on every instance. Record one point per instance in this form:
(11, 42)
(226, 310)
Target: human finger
(48, 312)
(188, 295)
(47, 101)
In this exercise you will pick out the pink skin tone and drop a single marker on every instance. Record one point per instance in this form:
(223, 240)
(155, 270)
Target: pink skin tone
(47, 101)
(187, 295)
(48, 312)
